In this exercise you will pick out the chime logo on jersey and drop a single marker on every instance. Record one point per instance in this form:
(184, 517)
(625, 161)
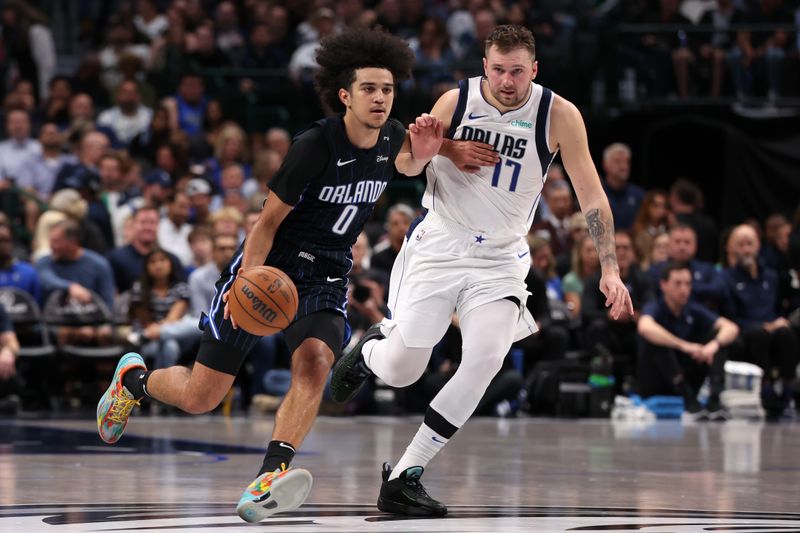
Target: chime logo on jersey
(507, 145)
(362, 192)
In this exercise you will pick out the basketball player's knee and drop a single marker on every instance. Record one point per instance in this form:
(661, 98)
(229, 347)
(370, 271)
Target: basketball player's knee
(312, 365)
(406, 372)
(201, 402)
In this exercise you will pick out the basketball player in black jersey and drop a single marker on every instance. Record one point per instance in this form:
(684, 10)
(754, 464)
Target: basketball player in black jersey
(318, 203)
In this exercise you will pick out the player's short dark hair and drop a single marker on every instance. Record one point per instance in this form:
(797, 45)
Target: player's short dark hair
(673, 266)
(339, 57)
(509, 37)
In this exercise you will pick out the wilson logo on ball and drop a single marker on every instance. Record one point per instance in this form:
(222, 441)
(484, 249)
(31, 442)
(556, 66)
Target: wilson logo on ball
(258, 305)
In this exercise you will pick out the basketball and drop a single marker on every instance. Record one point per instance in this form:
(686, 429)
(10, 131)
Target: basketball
(263, 300)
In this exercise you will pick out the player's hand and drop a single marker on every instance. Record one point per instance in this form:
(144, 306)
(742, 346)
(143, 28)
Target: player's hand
(7, 367)
(470, 156)
(226, 313)
(617, 296)
(427, 134)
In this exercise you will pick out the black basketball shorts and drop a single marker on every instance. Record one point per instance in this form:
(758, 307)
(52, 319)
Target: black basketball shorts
(320, 315)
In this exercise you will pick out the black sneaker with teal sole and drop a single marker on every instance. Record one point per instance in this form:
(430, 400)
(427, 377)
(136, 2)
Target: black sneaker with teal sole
(350, 371)
(406, 496)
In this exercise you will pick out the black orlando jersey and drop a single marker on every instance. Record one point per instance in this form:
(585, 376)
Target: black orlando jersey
(333, 187)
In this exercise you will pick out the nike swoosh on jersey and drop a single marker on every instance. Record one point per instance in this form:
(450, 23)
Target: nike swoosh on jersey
(523, 254)
(475, 117)
(332, 280)
(341, 163)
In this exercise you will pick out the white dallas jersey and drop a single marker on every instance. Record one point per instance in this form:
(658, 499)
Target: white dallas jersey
(499, 200)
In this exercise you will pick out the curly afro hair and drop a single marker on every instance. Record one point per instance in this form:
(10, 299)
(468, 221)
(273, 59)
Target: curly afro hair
(339, 57)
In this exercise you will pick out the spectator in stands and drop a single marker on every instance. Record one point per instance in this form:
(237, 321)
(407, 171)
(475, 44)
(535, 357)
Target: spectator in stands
(585, 263)
(38, 173)
(201, 242)
(199, 192)
(658, 252)
(120, 44)
(67, 204)
(19, 147)
(187, 107)
(651, 220)
(716, 46)
(204, 277)
(303, 63)
(752, 301)
(230, 39)
(157, 190)
(116, 191)
(148, 21)
(776, 227)
(398, 220)
(9, 350)
(15, 273)
(278, 140)
(686, 204)
(203, 50)
(682, 343)
(129, 117)
(230, 149)
(127, 262)
(160, 299)
(227, 221)
(174, 229)
(707, 285)
(624, 197)
(73, 268)
(433, 70)
(555, 173)
(236, 189)
(760, 53)
(201, 146)
(28, 42)
(144, 145)
(544, 263)
(55, 107)
(368, 287)
(555, 228)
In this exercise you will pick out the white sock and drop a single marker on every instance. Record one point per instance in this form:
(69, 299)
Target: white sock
(423, 447)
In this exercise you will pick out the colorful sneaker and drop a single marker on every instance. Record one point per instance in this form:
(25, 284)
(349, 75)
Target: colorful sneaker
(350, 371)
(406, 496)
(115, 406)
(274, 492)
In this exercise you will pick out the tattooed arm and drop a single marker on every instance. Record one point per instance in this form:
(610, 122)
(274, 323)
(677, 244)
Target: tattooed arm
(568, 134)
(601, 229)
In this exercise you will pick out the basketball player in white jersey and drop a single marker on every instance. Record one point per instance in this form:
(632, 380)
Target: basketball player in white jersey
(468, 252)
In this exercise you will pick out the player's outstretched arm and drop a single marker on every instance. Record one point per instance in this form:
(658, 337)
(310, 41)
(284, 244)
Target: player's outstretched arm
(422, 143)
(568, 133)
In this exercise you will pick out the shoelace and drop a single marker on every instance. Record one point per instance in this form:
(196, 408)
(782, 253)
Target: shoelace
(121, 408)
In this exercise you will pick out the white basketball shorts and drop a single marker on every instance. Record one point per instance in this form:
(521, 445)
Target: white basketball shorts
(444, 267)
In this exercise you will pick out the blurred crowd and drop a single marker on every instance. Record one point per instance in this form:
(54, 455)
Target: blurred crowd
(128, 184)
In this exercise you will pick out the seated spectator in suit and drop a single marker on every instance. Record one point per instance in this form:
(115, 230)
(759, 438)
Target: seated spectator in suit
(14, 273)
(159, 299)
(127, 262)
(707, 287)
(9, 349)
(682, 342)
(398, 220)
(752, 301)
(603, 333)
(79, 271)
